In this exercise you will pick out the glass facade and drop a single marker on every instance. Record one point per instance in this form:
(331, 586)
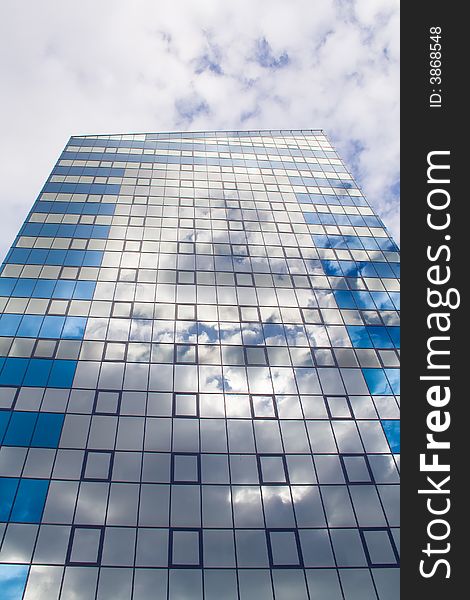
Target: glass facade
(199, 376)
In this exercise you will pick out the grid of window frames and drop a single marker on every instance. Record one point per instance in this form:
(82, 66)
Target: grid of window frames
(199, 350)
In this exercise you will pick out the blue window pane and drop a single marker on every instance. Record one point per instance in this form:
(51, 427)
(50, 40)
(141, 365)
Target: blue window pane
(18, 256)
(30, 325)
(359, 336)
(380, 337)
(74, 328)
(387, 244)
(377, 382)
(337, 241)
(344, 219)
(384, 270)
(370, 243)
(6, 286)
(382, 300)
(84, 290)
(4, 418)
(29, 501)
(64, 289)
(8, 487)
(395, 298)
(74, 258)
(344, 299)
(349, 268)
(9, 324)
(38, 373)
(44, 288)
(50, 229)
(48, 429)
(394, 333)
(24, 288)
(353, 243)
(324, 218)
(93, 258)
(368, 270)
(331, 267)
(108, 209)
(392, 431)
(66, 230)
(39, 257)
(13, 581)
(311, 218)
(364, 300)
(83, 231)
(20, 429)
(356, 220)
(52, 326)
(31, 229)
(62, 373)
(321, 241)
(372, 221)
(13, 371)
(89, 209)
(393, 376)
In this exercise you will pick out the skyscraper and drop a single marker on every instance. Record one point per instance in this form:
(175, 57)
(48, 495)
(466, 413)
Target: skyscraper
(199, 376)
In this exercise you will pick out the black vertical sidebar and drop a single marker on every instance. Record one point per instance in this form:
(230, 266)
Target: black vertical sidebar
(434, 76)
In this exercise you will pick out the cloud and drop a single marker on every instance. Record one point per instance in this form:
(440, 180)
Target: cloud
(117, 66)
(190, 107)
(264, 56)
(210, 60)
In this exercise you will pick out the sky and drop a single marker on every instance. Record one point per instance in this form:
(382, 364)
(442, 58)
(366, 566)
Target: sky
(119, 66)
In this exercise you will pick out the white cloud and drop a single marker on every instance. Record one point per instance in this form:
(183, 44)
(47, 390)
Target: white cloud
(120, 66)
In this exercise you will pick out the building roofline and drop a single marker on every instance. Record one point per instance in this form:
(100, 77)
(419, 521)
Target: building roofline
(221, 132)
